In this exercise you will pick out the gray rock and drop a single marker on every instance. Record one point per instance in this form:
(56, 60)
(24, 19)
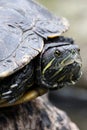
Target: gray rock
(35, 115)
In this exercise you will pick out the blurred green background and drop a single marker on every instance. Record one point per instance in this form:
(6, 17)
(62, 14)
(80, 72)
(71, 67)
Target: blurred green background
(73, 100)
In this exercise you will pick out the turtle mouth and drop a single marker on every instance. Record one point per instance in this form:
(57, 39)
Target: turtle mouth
(70, 77)
(69, 72)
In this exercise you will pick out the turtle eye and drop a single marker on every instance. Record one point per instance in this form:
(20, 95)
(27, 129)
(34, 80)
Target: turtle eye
(57, 53)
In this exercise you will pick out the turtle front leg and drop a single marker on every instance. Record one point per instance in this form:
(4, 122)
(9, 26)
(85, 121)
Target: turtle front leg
(30, 95)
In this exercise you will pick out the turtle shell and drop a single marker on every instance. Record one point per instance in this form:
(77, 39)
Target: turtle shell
(24, 25)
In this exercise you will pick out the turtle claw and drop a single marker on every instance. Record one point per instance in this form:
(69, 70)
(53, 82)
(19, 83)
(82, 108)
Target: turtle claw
(30, 95)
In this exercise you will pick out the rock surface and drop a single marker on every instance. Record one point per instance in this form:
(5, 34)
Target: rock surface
(35, 115)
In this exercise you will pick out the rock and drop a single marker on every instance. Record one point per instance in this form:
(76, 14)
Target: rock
(38, 114)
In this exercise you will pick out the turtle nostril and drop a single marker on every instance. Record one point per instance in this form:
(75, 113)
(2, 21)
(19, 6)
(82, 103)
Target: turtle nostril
(78, 49)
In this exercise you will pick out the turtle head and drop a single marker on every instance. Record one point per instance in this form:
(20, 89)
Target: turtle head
(60, 63)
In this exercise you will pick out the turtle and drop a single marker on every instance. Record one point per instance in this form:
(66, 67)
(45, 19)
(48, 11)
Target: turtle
(34, 56)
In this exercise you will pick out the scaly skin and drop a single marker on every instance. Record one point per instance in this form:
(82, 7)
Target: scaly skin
(32, 94)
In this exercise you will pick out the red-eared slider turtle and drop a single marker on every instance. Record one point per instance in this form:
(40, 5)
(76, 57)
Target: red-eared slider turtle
(34, 58)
